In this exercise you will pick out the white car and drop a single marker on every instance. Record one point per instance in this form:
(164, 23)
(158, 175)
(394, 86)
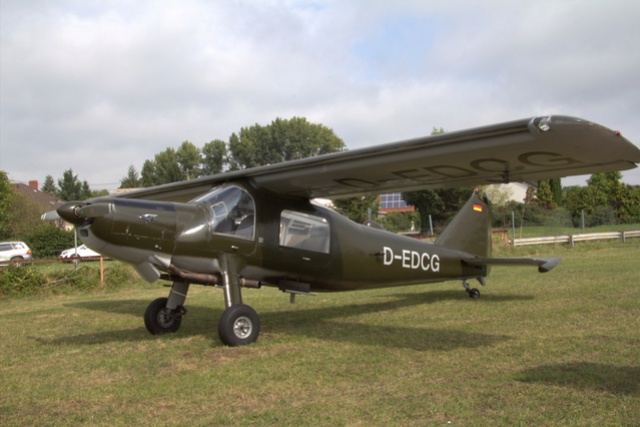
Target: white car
(83, 252)
(14, 251)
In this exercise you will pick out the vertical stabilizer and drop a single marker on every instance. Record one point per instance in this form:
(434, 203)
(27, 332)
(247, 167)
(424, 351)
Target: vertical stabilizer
(470, 229)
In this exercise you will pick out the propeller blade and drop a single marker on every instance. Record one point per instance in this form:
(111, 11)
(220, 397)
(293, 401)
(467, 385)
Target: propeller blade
(50, 216)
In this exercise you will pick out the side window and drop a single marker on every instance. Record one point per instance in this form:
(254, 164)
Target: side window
(303, 231)
(231, 211)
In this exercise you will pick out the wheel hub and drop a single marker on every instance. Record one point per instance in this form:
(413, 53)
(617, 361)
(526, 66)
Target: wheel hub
(242, 327)
(165, 318)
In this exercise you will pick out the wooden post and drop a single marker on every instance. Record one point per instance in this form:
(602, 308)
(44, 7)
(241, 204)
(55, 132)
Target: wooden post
(101, 271)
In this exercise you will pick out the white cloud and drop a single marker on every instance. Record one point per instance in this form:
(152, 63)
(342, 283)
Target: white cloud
(100, 86)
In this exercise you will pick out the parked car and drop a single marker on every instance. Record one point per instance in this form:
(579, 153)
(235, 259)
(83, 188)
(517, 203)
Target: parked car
(14, 251)
(83, 252)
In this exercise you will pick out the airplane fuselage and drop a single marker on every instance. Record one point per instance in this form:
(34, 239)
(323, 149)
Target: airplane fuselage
(292, 243)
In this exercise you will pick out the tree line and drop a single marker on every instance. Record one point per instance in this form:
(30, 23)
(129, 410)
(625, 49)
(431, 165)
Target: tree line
(280, 141)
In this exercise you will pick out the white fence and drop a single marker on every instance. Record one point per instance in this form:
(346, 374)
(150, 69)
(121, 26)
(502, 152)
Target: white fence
(573, 238)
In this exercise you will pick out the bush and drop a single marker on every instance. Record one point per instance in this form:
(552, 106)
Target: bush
(603, 215)
(399, 221)
(16, 280)
(23, 281)
(47, 241)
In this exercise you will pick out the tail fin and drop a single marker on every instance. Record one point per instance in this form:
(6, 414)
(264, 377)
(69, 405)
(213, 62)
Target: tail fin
(470, 229)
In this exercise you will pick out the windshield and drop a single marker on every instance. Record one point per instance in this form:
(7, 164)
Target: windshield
(231, 211)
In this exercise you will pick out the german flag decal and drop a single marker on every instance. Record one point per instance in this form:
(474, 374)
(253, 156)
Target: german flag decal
(477, 207)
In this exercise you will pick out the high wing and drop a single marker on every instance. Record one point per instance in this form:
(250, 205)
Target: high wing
(520, 150)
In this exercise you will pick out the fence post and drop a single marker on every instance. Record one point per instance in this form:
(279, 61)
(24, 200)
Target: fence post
(583, 220)
(76, 262)
(430, 225)
(513, 227)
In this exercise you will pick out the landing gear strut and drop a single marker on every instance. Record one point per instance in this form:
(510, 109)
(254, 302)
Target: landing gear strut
(239, 324)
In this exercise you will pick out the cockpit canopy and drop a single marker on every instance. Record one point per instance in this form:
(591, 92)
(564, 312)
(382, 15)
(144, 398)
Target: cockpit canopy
(231, 211)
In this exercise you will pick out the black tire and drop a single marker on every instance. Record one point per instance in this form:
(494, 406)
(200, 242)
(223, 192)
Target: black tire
(16, 260)
(239, 325)
(474, 293)
(159, 319)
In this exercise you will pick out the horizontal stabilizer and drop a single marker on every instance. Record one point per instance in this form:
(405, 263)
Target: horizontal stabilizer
(544, 264)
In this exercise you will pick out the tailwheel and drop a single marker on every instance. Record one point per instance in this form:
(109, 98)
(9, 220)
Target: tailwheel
(239, 325)
(160, 320)
(474, 293)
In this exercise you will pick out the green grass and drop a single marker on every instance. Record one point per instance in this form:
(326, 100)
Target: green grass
(560, 348)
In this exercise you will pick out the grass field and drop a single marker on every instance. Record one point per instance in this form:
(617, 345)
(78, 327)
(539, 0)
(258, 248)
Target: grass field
(561, 348)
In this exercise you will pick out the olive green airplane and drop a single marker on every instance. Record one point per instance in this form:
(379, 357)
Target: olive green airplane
(261, 227)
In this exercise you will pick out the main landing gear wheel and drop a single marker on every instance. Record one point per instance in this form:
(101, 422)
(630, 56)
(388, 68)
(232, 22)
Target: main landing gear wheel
(160, 320)
(239, 325)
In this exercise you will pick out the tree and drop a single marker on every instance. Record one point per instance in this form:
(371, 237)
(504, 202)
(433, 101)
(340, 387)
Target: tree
(167, 167)
(499, 194)
(500, 197)
(148, 177)
(188, 157)
(26, 215)
(556, 189)
(605, 199)
(70, 188)
(164, 169)
(132, 180)
(49, 186)
(99, 193)
(426, 202)
(545, 195)
(214, 157)
(357, 208)
(19, 215)
(399, 221)
(7, 197)
(280, 141)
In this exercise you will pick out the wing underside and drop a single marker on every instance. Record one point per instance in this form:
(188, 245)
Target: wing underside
(521, 150)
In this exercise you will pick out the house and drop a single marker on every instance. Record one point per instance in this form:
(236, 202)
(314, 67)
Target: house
(44, 201)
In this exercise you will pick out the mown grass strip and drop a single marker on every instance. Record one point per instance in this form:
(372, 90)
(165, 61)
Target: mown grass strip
(559, 348)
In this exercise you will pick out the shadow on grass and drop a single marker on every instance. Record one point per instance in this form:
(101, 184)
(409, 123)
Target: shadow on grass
(325, 323)
(587, 375)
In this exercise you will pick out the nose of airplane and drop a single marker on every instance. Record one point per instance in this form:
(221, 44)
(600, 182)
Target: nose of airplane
(78, 213)
(71, 212)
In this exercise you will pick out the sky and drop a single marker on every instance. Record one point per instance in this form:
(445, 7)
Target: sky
(98, 86)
